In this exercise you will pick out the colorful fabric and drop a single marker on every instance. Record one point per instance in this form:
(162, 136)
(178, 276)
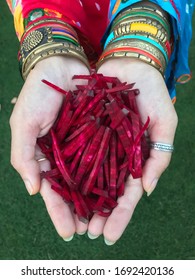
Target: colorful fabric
(93, 18)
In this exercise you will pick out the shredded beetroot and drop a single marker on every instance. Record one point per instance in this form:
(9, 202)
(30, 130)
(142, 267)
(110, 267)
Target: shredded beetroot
(96, 142)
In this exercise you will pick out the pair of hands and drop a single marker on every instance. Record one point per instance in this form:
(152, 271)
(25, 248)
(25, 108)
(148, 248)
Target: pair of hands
(35, 112)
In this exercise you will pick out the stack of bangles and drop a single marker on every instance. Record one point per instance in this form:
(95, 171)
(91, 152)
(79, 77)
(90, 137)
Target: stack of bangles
(47, 37)
(141, 31)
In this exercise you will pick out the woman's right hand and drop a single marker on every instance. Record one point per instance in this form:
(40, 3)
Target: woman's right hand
(34, 114)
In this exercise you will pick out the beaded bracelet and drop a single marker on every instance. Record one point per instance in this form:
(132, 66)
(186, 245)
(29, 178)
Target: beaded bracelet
(48, 37)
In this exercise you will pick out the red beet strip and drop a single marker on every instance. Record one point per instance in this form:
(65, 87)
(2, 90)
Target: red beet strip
(96, 142)
(99, 160)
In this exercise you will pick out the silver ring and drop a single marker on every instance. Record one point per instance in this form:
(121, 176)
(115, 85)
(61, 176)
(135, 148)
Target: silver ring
(41, 159)
(162, 147)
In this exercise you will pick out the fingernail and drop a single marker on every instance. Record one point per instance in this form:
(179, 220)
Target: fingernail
(81, 233)
(28, 186)
(68, 239)
(152, 186)
(91, 236)
(109, 243)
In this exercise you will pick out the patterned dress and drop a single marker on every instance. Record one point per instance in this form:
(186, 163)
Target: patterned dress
(93, 18)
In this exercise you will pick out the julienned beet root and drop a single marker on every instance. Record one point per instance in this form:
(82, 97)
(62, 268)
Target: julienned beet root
(95, 144)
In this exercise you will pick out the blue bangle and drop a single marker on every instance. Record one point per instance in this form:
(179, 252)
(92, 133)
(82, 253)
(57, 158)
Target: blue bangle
(109, 38)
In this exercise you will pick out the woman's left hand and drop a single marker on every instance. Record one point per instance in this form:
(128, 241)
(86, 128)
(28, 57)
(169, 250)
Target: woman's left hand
(153, 101)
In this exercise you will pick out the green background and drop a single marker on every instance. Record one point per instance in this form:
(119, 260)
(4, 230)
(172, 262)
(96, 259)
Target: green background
(163, 226)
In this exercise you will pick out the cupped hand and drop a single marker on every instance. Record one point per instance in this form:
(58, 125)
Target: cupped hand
(153, 101)
(34, 114)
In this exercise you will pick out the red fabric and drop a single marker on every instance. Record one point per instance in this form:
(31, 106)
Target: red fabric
(90, 18)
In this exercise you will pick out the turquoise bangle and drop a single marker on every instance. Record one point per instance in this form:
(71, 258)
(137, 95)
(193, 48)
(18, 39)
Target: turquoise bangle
(142, 38)
(109, 39)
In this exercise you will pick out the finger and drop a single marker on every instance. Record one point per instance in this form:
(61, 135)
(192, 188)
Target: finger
(121, 215)
(96, 226)
(158, 160)
(81, 227)
(23, 145)
(59, 212)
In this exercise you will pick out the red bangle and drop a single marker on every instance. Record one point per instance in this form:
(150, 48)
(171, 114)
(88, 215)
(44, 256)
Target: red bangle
(134, 50)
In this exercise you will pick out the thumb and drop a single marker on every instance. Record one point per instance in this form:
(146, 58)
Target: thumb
(23, 146)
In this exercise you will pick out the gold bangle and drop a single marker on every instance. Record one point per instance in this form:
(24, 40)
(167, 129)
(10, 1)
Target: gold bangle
(142, 34)
(146, 25)
(146, 7)
(134, 18)
(39, 42)
(123, 54)
(124, 30)
(140, 45)
(52, 49)
(128, 31)
(139, 19)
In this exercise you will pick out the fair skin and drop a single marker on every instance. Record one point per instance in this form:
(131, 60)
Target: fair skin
(37, 108)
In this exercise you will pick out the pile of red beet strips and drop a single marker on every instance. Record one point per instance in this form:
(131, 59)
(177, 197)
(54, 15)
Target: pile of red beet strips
(96, 142)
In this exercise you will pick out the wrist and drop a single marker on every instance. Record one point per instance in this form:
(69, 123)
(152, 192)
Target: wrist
(129, 68)
(59, 70)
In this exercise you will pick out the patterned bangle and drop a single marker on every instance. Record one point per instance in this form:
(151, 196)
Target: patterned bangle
(137, 14)
(131, 53)
(145, 40)
(45, 38)
(48, 50)
(127, 29)
(146, 16)
(141, 47)
(146, 7)
(56, 30)
(142, 31)
(141, 26)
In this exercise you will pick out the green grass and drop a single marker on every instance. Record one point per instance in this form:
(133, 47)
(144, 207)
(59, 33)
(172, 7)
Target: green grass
(163, 226)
